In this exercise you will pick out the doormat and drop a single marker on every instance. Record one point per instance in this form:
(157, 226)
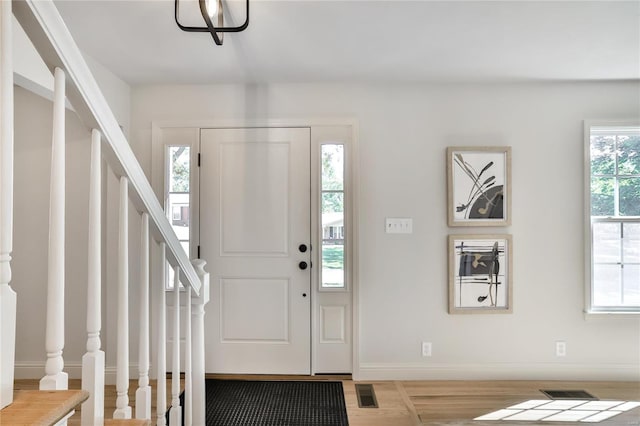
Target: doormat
(275, 403)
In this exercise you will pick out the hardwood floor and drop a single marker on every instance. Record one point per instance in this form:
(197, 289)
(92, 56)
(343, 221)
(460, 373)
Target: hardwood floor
(414, 403)
(457, 402)
(109, 396)
(41, 408)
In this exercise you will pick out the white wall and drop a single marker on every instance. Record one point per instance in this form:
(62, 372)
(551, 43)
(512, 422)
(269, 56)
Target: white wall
(404, 130)
(33, 121)
(31, 73)
(33, 151)
(29, 265)
(116, 92)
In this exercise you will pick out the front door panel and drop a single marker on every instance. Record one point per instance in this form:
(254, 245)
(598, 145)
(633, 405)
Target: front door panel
(254, 214)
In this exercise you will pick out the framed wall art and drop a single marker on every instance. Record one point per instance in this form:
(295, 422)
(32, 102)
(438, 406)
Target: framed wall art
(480, 274)
(479, 186)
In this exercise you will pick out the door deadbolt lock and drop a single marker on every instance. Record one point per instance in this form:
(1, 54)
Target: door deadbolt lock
(302, 248)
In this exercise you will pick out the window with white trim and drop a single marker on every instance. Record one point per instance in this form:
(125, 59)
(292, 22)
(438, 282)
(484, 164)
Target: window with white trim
(613, 202)
(332, 193)
(178, 173)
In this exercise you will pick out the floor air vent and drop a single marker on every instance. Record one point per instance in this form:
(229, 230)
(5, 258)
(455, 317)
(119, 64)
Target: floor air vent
(366, 396)
(568, 394)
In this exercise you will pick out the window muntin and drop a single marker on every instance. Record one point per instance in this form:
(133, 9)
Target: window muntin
(332, 274)
(614, 203)
(616, 264)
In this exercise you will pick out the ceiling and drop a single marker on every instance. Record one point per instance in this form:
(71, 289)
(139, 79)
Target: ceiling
(365, 41)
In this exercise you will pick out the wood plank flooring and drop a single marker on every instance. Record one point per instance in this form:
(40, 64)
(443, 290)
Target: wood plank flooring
(456, 402)
(109, 396)
(415, 403)
(41, 408)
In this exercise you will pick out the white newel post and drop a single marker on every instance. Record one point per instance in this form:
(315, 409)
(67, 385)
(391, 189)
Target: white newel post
(161, 388)
(175, 415)
(123, 410)
(55, 378)
(143, 394)
(93, 360)
(7, 295)
(188, 383)
(197, 331)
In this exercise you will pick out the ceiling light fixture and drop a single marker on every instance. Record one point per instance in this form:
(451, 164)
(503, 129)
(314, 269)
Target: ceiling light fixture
(212, 13)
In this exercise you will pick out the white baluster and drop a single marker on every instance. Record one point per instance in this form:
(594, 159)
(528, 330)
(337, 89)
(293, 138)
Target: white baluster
(161, 367)
(7, 295)
(143, 394)
(198, 372)
(93, 361)
(175, 415)
(161, 386)
(188, 382)
(123, 410)
(56, 379)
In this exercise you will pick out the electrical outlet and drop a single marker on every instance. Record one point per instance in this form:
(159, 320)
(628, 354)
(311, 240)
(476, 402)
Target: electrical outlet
(426, 348)
(561, 348)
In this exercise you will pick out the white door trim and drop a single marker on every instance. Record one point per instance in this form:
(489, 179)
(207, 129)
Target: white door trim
(352, 185)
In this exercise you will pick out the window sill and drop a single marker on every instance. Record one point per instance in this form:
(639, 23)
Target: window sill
(590, 315)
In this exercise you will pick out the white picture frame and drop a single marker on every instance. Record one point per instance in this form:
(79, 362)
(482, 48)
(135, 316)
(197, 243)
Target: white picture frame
(479, 186)
(480, 274)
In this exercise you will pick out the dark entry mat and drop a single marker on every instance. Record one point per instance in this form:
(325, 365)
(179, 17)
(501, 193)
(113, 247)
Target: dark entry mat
(275, 403)
(568, 394)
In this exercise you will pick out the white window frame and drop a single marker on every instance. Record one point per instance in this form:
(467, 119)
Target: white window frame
(588, 220)
(333, 230)
(166, 185)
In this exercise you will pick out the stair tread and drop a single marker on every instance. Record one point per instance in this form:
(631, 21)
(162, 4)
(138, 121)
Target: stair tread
(132, 422)
(41, 408)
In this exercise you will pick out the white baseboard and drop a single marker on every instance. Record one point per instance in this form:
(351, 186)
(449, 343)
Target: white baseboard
(35, 370)
(499, 371)
(421, 371)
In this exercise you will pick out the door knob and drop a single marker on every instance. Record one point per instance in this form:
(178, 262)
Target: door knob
(302, 265)
(302, 248)
(304, 294)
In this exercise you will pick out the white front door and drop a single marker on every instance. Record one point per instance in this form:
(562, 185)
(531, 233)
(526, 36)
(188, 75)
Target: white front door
(255, 195)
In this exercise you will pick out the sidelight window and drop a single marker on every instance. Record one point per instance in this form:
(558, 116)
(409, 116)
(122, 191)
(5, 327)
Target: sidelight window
(333, 223)
(178, 168)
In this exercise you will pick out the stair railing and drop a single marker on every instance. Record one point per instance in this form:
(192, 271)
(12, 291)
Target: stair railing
(7, 295)
(74, 81)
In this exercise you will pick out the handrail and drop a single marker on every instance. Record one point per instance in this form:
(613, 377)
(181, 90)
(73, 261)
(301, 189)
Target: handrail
(53, 41)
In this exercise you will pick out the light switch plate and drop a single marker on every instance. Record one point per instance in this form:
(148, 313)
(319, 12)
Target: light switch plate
(398, 225)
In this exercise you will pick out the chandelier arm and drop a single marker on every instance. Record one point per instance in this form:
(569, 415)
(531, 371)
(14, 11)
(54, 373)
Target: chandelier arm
(207, 20)
(206, 29)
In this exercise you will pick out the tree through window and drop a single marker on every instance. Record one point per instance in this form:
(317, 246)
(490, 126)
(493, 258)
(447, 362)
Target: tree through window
(614, 204)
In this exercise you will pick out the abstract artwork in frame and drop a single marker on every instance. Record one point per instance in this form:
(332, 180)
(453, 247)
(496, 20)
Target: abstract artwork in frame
(479, 186)
(480, 274)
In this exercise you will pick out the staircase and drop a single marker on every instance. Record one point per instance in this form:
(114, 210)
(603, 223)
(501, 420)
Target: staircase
(42, 407)
(54, 402)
